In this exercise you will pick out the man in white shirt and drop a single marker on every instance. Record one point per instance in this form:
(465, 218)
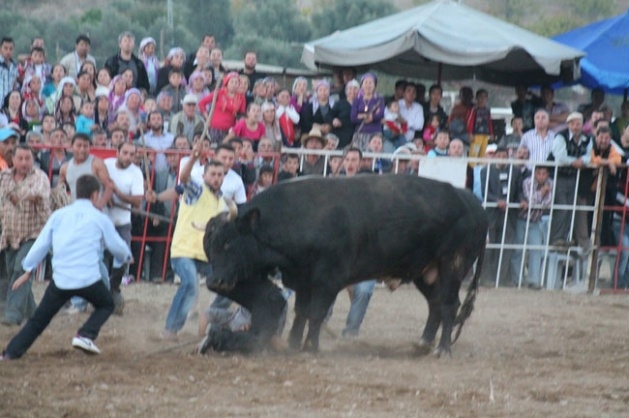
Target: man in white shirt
(76, 232)
(157, 139)
(128, 187)
(539, 141)
(411, 111)
(73, 61)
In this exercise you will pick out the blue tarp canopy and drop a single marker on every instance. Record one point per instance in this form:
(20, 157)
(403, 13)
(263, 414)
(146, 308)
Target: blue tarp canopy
(607, 46)
(446, 40)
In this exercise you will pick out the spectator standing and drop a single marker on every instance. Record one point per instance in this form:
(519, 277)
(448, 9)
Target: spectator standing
(558, 112)
(25, 197)
(125, 59)
(572, 149)
(157, 139)
(229, 103)
(77, 233)
(342, 125)
(128, 192)
(251, 127)
(433, 107)
(411, 111)
(524, 106)
(73, 61)
(250, 60)
(367, 112)
(512, 141)
(287, 118)
(174, 62)
(188, 122)
(539, 141)
(318, 112)
(479, 125)
(313, 164)
(457, 121)
(146, 53)
(597, 97)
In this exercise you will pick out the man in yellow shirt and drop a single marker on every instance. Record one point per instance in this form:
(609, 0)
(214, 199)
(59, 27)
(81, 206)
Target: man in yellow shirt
(200, 203)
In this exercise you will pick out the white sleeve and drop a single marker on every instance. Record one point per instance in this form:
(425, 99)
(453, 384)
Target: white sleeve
(137, 187)
(240, 197)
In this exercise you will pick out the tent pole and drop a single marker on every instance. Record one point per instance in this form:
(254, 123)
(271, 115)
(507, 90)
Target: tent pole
(440, 69)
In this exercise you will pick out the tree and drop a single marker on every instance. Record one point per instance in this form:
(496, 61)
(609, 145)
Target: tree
(209, 17)
(342, 14)
(271, 28)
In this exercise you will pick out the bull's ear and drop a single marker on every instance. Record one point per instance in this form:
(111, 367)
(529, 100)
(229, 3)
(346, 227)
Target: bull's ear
(249, 221)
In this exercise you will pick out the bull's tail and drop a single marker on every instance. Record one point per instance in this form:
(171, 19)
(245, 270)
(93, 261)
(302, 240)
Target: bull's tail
(468, 304)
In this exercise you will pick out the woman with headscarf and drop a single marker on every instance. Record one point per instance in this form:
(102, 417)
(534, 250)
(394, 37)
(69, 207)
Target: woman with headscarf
(174, 60)
(271, 125)
(66, 87)
(342, 125)
(367, 111)
(133, 106)
(229, 103)
(12, 109)
(117, 93)
(299, 96)
(65, 112)
(197, 85)
(147, 54)
(318, 112)
(101, 108)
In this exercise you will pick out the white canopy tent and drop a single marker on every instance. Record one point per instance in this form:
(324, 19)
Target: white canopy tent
(445, 40)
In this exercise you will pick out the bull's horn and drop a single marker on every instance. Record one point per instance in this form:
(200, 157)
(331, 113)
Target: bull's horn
(197, 225)
(233, 209)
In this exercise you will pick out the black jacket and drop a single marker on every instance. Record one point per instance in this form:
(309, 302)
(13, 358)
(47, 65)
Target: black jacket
(113, 66)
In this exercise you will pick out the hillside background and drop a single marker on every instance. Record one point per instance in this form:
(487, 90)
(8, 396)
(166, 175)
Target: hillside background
(276, 29)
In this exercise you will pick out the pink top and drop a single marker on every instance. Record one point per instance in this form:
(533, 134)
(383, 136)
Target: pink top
(226, 109)
(242, 131)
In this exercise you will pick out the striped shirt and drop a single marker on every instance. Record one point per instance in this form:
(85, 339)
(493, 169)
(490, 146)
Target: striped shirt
(8, 76)
(539, 146)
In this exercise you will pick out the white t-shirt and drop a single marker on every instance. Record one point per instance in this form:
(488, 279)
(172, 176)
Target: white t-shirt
(128, 181)
(233, 188)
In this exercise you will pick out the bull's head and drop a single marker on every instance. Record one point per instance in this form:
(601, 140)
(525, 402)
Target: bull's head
(231, 248)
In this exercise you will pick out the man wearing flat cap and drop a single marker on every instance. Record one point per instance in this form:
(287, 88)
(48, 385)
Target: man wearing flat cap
(572, 150)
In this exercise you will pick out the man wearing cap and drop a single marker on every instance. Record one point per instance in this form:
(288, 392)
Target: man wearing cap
(188, 122)
(572, 150)
(314, 164)
(8, 140)
(157, 139)
(25, 200)
(73, 61)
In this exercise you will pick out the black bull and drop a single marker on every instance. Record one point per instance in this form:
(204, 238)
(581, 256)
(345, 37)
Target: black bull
(324, 234)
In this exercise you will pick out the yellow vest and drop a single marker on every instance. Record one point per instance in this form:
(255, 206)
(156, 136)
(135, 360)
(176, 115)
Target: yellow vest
(187, 240)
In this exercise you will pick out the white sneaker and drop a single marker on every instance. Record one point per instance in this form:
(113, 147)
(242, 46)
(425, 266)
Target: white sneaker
(85, 344)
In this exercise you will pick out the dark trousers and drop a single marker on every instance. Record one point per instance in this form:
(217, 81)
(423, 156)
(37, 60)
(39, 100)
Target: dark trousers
(20, 303)
(53, 300)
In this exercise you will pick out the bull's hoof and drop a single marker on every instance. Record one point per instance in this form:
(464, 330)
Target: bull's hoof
(294, 344)
(440, 352)
(277, 344)
(422, 348)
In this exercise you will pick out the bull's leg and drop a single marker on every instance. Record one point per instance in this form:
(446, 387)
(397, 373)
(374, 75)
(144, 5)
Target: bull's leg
(319, 306)
(450, 285)
(302, 307)
(431, 293)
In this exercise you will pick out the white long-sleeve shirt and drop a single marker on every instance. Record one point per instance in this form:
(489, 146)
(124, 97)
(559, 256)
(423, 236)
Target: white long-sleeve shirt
(290, 112)
(414, 116)
(76, 234)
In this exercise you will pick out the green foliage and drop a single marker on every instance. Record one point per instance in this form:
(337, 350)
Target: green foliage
(343, 14)
(209, 17)
(92, 17)
(551, 26)
(591, 10)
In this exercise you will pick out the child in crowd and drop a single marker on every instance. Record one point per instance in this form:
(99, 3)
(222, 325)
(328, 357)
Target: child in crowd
(290, 167)
(479, 125)
(31, 113)
(441, 140)
(175, 89)
(35, 65)
(431, 129)
(85, 121)
(394, 125)
(265, 180)
(70, 130)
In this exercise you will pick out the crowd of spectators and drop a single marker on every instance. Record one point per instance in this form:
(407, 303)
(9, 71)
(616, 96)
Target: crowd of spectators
(151, 114)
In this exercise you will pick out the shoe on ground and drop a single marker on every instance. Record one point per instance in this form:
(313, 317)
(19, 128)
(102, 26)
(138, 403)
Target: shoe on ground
(169, 335)
(73, 310)
(206, 342)
(85, 344)
(118, 303)
(177, 279)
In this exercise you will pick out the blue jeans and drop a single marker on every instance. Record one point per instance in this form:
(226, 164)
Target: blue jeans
(361, 295)
(186, 269)
(623, 274)
(536, 235)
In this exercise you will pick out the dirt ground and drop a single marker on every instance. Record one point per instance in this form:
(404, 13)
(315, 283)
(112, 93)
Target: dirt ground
(522, 353)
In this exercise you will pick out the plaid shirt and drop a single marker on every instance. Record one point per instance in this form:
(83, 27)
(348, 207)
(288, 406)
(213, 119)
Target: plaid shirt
(25, 220)
(536, 199)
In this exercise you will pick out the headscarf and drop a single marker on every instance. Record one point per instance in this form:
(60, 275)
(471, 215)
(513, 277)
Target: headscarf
(229, 76)
(297, 80)
(315, 99)
(369, 75)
